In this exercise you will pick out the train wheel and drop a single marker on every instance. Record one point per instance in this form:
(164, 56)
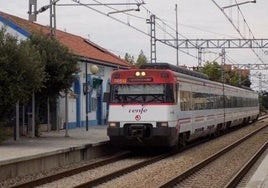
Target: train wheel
(254, 120)
(182, 141)
(218, 130)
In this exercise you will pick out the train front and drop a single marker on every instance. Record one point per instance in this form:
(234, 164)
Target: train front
(142, 110)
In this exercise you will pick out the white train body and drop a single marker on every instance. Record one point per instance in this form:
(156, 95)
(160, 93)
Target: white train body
(146, 110)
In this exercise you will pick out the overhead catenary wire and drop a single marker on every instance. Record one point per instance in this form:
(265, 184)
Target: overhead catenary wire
(162, 27)
(116, 19)
(236, 28)
(249, 29)
(127, 23)
(157, 18)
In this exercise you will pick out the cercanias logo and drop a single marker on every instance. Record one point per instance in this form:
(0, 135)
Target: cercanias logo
(138, 110)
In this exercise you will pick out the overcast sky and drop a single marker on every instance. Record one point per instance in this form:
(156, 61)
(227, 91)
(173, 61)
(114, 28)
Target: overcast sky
(198, 19)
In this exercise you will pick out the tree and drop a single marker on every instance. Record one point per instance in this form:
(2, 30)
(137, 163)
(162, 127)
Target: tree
(142, 59)
(216, 73)
(129, 58)
(240, 80)
(61, 69)
(213, 70)
(21, 72)
(40, 64)
(60, 64)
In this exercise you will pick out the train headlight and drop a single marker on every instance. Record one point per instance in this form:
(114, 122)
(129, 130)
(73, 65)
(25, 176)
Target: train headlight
(162, 124)
(114, 124)
(140, 73)
(137, 73)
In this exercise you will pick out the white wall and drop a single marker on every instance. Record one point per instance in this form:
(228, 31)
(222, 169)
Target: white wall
(13, 32)
(105, 76)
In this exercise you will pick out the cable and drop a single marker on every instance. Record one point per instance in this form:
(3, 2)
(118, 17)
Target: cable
(119, 10)
(160, 27)
(100, 12)
(237, 29)
(245, 22)
(133, 27)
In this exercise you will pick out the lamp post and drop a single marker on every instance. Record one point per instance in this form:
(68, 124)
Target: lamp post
(86, 99)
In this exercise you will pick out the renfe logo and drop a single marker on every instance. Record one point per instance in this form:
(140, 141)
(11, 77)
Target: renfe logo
(140, 111)
(138, 117)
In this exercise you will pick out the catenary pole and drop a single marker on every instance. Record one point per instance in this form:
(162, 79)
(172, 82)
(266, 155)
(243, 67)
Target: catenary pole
(177, 36)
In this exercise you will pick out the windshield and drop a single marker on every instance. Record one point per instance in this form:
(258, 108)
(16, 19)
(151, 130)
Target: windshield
(142, 93)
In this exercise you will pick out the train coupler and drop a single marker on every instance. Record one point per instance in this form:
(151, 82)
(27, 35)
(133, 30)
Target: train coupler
(138, 131)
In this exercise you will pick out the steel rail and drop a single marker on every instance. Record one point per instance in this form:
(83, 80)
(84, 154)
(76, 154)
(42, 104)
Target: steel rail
(208, 160)
(108, 177)
(68, 173)
(123, 171)
(245, 169)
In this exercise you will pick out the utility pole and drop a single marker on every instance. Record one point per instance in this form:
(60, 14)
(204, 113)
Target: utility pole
(260, 82)
(32, 10)
(177, 36)
(199, 57)
(33, 13)
(33, 114)
(86, 97)
(223, 82)
(53, 17)
(153, 38)
(17, 127)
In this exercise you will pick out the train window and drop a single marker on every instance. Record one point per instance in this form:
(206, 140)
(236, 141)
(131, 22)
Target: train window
(142, 93)
(185, 100)
(210, 102)
(168, 93)
(201, 101)
(140, 89)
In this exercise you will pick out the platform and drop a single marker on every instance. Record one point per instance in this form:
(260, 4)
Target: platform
(52, 141)
(50, 150)
(260, 177)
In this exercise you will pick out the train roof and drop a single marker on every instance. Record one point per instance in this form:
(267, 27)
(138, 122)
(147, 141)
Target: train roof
(173, 68)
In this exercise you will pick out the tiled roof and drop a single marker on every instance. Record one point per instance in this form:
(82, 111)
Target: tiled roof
(78, 45)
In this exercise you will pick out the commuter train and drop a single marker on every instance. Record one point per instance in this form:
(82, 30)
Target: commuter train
(164, 105)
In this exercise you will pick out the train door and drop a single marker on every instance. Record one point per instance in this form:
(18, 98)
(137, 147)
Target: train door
(97, 83)
(108, 86)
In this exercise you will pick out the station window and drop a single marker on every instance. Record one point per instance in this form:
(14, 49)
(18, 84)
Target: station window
(94, 104)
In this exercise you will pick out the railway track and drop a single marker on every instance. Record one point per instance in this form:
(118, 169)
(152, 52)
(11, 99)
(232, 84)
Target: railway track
(68, 173)
(245, 169)
(96, 181)
(191, 175)
(122, 171)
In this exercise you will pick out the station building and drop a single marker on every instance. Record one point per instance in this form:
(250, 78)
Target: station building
(91, 57)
